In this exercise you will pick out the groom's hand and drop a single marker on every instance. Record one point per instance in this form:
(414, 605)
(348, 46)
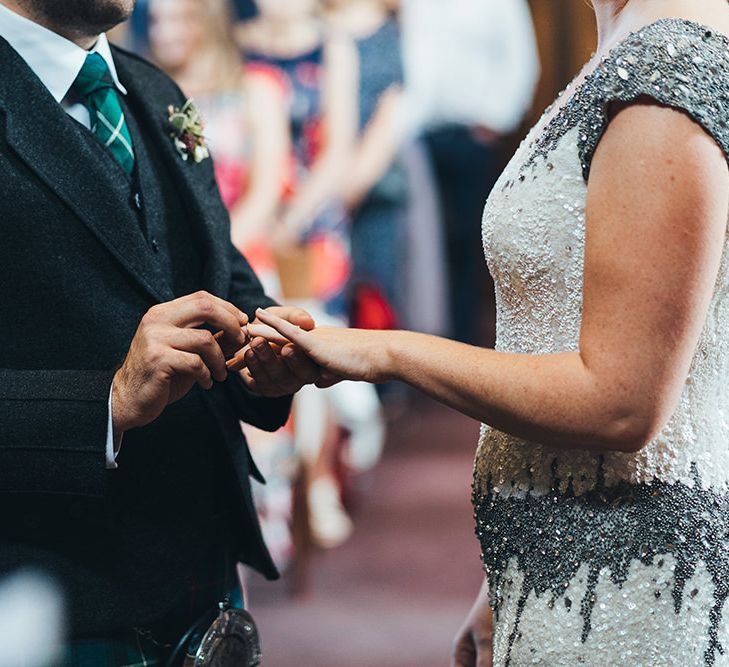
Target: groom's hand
(168, 355)
(273, 370)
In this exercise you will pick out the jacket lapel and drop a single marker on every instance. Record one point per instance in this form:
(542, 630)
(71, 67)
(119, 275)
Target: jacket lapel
(68, 167)
(196, 182)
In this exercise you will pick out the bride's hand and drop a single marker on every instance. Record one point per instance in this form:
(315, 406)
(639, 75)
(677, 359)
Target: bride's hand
(472, 645)
(349, 354)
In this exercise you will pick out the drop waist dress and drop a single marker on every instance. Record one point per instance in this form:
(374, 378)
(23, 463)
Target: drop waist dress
(605, 558)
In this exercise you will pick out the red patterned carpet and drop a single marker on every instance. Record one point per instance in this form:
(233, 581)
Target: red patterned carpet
(396, 593)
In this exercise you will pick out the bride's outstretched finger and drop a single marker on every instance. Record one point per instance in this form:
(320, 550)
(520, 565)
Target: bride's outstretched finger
(257, 330)
(290, 332)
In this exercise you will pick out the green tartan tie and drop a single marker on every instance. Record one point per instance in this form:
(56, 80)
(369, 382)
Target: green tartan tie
(95, 88)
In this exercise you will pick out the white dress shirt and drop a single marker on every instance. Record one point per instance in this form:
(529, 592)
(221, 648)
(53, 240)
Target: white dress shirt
(57, 62)
(469, 62)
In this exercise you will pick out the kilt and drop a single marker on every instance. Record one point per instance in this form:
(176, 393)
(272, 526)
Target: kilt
(129, 649)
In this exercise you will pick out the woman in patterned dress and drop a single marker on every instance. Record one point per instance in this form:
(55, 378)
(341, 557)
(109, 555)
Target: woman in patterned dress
(376, 191)
(312, 238)
(320, 69)
(244, 109)
(601, 486)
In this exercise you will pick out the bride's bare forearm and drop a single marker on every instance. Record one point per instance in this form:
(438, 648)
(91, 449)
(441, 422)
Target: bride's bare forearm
(553, 399)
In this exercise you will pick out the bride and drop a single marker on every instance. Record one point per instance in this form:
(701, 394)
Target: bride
(601, 478)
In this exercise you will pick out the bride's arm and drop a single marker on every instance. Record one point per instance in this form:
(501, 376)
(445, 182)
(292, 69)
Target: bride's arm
(656, 220)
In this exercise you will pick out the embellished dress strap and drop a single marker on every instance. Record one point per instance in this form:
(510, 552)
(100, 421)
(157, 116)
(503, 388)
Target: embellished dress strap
(678, 63)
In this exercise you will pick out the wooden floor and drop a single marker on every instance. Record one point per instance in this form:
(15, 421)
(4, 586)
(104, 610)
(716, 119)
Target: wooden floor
(396, 593)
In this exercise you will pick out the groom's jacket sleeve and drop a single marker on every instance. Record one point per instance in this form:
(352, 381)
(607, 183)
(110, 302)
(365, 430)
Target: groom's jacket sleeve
(53, 431)
(268, 414)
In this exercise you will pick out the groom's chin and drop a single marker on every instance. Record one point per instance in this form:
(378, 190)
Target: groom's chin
(89, 17)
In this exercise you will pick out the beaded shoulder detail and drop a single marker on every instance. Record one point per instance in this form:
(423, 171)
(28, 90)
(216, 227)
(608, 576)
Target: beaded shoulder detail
(679, 63)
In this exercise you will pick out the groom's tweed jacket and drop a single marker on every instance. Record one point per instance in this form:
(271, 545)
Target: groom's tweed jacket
(84, 253)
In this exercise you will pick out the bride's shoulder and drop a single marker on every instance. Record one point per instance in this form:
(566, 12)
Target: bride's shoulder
(672, 59)
(673, 43)
(674, 62)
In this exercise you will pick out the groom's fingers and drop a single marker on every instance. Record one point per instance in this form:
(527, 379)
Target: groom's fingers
(265, 365)
(256, 366)
(203, 308)
(300, 365)
(267, 374)
(287, 369)
(271, 365)
(202, 343)
(249, 381)
(238, 361)
(296, 361)
(327, 379)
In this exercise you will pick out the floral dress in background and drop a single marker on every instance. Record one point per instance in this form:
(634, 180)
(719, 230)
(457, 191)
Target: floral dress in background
(327, 239)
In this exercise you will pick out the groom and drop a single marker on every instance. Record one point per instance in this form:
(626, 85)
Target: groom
(123, 470)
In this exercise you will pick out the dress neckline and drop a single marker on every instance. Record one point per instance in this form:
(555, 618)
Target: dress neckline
(554, 111)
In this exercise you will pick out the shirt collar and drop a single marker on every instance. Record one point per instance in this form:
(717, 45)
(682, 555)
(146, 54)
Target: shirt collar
(55, 60)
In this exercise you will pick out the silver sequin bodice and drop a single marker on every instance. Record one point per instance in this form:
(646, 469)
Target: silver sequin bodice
(533, 236)
(574, 540)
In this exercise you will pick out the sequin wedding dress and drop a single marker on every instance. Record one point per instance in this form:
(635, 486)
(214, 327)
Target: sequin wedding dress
(605, 559)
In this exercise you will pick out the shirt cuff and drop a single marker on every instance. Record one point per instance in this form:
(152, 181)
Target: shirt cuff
(110, 453)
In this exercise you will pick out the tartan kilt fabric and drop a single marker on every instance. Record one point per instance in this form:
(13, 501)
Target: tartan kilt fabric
(129, 650)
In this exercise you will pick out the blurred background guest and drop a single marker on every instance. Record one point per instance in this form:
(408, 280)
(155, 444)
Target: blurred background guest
(136, 31)
(319, 64)
(244, 111)
(320, 68)
(472, 68)
(376, 190)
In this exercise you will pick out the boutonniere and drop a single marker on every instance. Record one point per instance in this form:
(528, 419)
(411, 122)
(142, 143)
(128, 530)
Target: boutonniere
(187, 132)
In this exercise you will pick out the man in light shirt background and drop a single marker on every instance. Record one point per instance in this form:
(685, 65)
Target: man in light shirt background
(471, 69)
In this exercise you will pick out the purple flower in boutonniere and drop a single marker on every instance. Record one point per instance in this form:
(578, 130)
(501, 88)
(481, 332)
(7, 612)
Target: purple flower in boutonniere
(187, 132)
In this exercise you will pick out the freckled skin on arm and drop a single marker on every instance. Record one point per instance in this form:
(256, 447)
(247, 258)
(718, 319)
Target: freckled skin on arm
(657, 206)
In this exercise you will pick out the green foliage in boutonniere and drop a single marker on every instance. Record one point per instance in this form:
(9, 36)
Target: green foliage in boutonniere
(188, 132)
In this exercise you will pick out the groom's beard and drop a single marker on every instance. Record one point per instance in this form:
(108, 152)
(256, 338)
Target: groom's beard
(87, 17)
